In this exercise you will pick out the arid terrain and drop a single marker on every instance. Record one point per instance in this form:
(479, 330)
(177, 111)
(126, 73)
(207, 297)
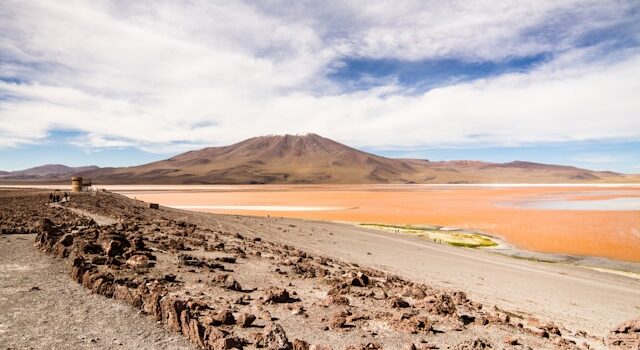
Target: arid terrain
(246, 282)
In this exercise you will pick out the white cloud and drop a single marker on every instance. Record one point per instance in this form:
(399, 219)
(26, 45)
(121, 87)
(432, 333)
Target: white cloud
(163, 75)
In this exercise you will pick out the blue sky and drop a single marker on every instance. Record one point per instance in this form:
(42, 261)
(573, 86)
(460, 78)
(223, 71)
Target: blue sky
(115, 84)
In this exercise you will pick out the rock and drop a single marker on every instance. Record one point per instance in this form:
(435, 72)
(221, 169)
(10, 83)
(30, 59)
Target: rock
(364, 346)
(220, 318)
(138, 261)
(66, 240)
(410, 346)
(336, 300)
(245, 319)
(300, 345)
(195, 332)
(227, 343)
(440, 304)
(114, 248)
(171, 309)
(276, 295)
(475, 344)
(129, 296)
(510, 340)
(397, 302)
(625, 336)
(337, 321)
(320, 347)
(232, 284)
(360, 280)
(275, 338)
(213, 335)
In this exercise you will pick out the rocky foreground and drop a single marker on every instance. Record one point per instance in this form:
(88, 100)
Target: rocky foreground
(223, 290)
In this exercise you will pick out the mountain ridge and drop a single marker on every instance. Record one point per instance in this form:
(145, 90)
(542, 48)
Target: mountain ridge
(46, 171)
(313, 159)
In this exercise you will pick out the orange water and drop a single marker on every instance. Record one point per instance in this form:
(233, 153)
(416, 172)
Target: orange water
(494, 210)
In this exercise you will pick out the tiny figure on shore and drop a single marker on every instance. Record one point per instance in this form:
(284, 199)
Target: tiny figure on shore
(66, 197)
(50, 197)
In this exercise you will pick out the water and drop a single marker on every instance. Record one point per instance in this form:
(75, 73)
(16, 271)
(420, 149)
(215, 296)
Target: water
(628, 203)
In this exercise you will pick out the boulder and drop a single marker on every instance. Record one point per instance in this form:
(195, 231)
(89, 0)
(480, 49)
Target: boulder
(276, 295)
(275, 338)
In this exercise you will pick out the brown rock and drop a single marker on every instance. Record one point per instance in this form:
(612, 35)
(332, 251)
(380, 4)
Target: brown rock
(220, 318)
(138, 261)
(227, 343)
(275, 338)
(151, 303)
(397, 302)
(66, 240)
(213, 334)
(171, 309)
(510, 340)
(475, 344)
(232, 284)
(245, 319)
(625, 336)
(336, 300)
(276, 295)
(127, 295)
(114, 248)
(337, 321)
(320, 347)
(440, 304)
(360, 280)
(300, 345)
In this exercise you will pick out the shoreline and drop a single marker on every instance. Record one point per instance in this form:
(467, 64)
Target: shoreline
(482, 241)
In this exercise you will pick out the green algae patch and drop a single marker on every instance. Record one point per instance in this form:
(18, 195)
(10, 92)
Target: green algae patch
(456, 238)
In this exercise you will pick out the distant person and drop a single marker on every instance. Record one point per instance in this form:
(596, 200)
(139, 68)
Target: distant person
(66, 197)
(50, 197)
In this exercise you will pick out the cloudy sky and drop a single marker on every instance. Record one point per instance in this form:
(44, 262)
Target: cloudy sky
(125, 82)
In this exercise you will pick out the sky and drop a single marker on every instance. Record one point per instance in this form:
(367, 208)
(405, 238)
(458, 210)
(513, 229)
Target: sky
(116, 83)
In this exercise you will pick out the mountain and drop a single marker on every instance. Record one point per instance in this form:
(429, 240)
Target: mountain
(310, 158)
(48, 171)
(270, 159)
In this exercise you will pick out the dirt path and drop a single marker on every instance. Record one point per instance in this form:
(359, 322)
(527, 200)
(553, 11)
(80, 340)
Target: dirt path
(578, 298)
(99, 219)
(42, 308)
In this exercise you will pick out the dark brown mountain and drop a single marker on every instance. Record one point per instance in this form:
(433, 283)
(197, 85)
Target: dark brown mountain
(309, 159)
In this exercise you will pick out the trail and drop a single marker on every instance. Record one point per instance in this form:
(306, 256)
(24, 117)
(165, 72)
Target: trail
(41, 307)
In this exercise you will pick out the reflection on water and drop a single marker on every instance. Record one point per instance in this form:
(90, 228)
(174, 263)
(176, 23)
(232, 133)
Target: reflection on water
(599, 204)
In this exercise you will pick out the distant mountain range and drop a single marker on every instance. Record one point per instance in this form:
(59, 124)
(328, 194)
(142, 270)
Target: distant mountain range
(312, 159)
(45, 172)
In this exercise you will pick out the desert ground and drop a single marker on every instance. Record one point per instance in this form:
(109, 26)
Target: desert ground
(230, 281)
(502, 211)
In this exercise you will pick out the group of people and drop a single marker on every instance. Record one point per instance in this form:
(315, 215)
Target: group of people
(56, 198)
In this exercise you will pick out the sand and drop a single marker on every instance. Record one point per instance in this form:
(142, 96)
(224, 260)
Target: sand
(494, 209)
